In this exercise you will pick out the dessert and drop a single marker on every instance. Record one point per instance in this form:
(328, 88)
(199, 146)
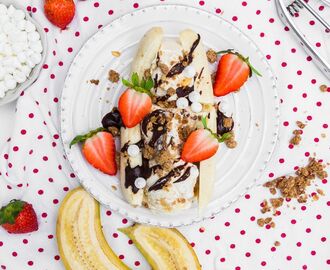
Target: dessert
(169, 121)
(20, 48)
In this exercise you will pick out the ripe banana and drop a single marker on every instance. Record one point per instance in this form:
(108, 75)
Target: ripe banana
(80, 239)
(148, 48)
(163, 248)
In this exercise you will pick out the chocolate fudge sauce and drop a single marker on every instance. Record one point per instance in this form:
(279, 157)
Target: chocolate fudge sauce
(112, 119)
(221, 129)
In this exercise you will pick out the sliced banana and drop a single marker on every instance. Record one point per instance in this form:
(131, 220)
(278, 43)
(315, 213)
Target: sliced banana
(80, 239)
(203, 84)
(147, 51)
(163, 248)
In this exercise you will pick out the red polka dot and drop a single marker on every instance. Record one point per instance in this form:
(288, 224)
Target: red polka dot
(285, 123)
(70, 50)
(227, 223)
(25, 241)
(15, 148)
(277, 42)
(86, 19)
(325, 125)
(217, 237)
(234, 18)
(222, 259)
(44, 215)
(258, 241)
(96, 4)
(232, 246)
(244, 4)
(55, 201)
(247, 254)
(311, 22)
(40, 192)
(308, 230)
(115, 235)
(31, 115)
(30, 263)
(121, 256)
(135, 5)
(207, 252)
(289, 258)
(108, 213)
(52, 76)
(281, 160)
(14, 254)
(263, 263)
(136, 263)
(218, 10)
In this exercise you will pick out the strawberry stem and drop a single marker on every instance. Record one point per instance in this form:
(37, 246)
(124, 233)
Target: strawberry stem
(220, 139)
(82, 138)
(9, 212)
(245, 59)
(142, 86)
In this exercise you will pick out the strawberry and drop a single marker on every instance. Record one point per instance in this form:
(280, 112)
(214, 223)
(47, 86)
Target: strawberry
(59, 12)
(99, 150)
(135, 103)
(202, 144)
(233, 71)
(18, 217)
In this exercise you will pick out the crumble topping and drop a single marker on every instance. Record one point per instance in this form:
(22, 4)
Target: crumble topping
(113, 76)
(211, 56)
(323, 88)
(231, 142)
(96, 82)
(164, 68)
(116, 53)
(296, 139)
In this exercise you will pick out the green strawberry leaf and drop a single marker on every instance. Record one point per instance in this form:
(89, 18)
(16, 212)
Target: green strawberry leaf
(9, 213)
(135, 79)
(84, 137)
(220, 139)
(143, 86)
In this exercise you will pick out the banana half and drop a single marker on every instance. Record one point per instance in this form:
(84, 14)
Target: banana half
(152, 49)
(80, 239)
(163, 248)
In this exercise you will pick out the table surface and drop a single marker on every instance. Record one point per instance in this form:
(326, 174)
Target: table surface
(231, 240)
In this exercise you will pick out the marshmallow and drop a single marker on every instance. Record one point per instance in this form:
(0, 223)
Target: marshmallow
(194, 96)
(10, 83)
(140, 182)
(3, 89)
(19, 15)
(182, 103)
(26, 70)
(196, 107)
(11, 10)
(189, 72)
(29, 27)
(3, 9)
(33, 36)
(19, 76)
(133, 150)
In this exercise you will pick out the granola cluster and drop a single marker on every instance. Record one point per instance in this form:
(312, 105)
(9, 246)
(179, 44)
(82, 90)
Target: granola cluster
(296, 139)
(113, 76)
(292, 187)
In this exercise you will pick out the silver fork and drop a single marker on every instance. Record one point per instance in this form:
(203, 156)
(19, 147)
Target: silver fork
(286, 13)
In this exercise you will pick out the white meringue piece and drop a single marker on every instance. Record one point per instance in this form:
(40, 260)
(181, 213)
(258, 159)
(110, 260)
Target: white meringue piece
(21, 57)
(196, 107)
(8, 27)
(3, 89)
(10, 70)
(189, 71)
(194, 172)
(182, 103)
(11, 10)
(133, 150)
(26, 70)
(140, 182)
(35, 58)
(21, 24)
(194, 96)
(7, 50)
(30, 63)
(36, 46)
(2, 73)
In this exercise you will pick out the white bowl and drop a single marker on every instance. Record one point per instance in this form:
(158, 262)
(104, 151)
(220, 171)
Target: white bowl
(12, 95)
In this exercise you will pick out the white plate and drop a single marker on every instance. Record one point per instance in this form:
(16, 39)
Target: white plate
(255, 107)
(13, 94)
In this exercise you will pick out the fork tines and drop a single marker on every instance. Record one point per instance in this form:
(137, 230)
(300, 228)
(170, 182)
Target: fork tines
(294, 7)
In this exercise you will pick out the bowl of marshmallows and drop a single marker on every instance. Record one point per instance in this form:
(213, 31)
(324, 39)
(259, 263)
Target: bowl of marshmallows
(22, 51)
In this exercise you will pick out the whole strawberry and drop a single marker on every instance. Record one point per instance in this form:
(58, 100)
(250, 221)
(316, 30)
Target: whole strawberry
(18, 217)
(59, 12)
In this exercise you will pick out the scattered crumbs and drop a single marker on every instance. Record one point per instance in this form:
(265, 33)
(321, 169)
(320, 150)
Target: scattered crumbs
(96, 82)
(292, 187)
(108, 88)
(116, 53)
(320, 191)
(114, 187)
(257, 124)
(211, 56)
(323, 88)
(323, 135)
(296, 139)
(107, 101)
(300, 124)
(277, 243)
(117, 157)
(113, 76)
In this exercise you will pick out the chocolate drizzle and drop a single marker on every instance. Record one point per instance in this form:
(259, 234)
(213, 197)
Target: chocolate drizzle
(221, 129)
(161, 182)
(185, 175)
(158, 128)
(139, 171)
(126, 145)
(112, 119)
(187, 59)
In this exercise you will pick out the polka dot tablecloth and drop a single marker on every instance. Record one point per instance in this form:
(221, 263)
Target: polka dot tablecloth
(33, 165)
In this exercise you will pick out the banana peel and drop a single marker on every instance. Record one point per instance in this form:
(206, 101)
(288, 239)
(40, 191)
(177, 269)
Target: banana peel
(79, 234)
(163, 248)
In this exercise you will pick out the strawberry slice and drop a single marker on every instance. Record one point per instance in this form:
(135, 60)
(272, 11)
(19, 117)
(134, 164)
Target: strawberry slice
(99, 150)
(135, 103)
(233, 71)
(202, 144)
(18, 217)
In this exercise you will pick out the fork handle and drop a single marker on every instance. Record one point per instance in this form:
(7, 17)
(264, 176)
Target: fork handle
(315, 14)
